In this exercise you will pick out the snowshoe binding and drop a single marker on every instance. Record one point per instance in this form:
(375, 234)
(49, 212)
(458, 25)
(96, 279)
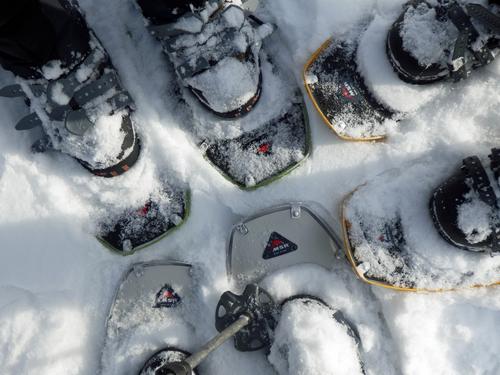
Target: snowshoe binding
(465, 209)
(149, 309)
(252, 127)
(391, 241)
(73, 91)
(453, 38)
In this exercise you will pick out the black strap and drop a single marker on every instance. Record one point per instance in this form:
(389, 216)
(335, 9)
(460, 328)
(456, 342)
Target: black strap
(495, 162)
(460, 65)
(119, 168)
(483, 15)
(473, 168)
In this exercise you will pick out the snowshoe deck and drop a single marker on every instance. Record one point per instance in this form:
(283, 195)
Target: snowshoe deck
(340, 95)
(393, 244)
(148, 310)
(270, 152)
(280, 237)
(137, 228)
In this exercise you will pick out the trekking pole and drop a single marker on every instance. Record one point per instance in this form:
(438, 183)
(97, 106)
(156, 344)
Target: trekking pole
(186, 366)
(248, 318)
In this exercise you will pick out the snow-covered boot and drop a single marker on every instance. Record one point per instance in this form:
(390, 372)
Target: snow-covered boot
(436, 40)
(247, 116)
(313, 338)
(215, 52)
(67, 78)
(465, 208)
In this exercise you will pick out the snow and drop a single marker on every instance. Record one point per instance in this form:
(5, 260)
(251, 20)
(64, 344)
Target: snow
(309, 341)
(474, 218)
(56, 280)
(427, 39)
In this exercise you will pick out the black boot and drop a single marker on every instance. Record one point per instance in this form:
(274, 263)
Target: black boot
(32, 33)
(70, 83)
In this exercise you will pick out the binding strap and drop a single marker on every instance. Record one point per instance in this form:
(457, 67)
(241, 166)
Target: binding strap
(131, 139)
(468, 34)
(474, 170)
(486, 17)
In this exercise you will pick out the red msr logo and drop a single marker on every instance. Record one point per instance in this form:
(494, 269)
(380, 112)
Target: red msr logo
(264, 148)
(278, 245)
(348, 92)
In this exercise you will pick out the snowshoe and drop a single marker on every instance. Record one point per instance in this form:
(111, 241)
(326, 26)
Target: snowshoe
(306, 321)
(147, 323)
(361, 100)
(390, 238)
(339, 93)
(442, 40)
(252, 127)
(136, 228)
(71, 87)
(277, 238)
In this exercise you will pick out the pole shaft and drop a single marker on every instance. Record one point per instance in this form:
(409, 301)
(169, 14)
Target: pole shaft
(196, 358)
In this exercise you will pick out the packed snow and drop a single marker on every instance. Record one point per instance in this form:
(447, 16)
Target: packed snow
(57, 281)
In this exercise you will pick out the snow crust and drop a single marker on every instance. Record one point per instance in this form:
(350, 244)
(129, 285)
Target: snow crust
(56, 280)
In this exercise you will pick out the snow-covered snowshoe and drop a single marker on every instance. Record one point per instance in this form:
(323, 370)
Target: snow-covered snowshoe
(360, 90)
(71, 87)
(166, 209)
(306, 321)
(279, 237)
(248, 116)
(391, 240)
(441, 40)
(148, 319)
(339, 93)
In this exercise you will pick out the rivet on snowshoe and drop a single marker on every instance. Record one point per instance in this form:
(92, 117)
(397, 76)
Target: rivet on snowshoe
(176, 219)
(127, 246)
(295, 212)
(138, 270)
(242, 229)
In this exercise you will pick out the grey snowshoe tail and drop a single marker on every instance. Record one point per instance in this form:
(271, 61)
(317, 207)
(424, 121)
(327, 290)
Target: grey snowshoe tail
(277, 238)
(470, 187)
(146, 317)
(465, 37)
(79, 104)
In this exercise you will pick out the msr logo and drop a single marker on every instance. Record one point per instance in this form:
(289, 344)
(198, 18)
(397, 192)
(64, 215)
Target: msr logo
(167, 297)
(348, 91)
(278, 245)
